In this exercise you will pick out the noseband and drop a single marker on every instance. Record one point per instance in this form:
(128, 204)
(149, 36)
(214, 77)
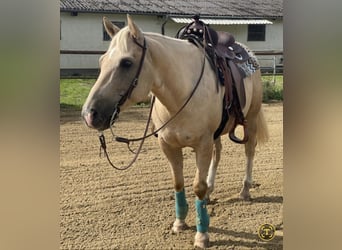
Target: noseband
(133, 84)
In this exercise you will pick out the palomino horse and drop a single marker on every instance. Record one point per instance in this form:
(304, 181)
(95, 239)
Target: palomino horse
(138, 63)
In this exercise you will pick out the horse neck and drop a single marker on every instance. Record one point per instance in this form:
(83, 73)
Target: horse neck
(177, 65)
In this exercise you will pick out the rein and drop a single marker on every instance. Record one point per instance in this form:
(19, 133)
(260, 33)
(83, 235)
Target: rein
(128, 93)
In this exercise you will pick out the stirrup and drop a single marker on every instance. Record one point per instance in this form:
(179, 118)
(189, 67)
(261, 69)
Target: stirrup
(234, 138)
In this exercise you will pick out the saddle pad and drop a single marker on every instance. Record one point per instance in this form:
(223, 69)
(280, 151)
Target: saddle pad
(249, 66)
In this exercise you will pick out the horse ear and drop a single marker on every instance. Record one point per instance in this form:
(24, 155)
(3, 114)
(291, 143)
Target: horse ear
(110, 27)
(133, 28)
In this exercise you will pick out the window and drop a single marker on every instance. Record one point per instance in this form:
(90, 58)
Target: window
(106, 37)
(256, 32)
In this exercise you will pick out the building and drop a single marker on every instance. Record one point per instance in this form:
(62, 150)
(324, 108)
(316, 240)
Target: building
(256, 23)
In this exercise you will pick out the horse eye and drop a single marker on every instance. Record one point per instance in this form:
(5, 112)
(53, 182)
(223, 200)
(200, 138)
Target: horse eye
(125, 63)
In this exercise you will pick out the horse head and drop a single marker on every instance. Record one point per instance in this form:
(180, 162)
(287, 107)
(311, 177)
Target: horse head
(121, 68)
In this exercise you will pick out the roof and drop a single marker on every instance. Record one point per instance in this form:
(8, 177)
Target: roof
(222, 21)
(209, 8)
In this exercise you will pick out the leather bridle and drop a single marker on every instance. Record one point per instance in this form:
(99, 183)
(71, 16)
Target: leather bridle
(127, 95)
(133, 84)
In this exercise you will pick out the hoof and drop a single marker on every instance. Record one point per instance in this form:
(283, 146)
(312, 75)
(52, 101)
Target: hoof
(179, 226)
(245, 195)
(201, 240)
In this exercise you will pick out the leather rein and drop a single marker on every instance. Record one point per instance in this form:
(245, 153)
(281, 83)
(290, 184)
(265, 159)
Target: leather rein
(126, 96)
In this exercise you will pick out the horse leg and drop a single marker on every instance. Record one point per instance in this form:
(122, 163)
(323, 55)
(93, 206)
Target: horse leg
(175, 158)
(249, 151)
(216, 155)
(203, 158)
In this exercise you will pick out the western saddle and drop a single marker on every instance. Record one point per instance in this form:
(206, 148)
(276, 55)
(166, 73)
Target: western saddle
(224, 54)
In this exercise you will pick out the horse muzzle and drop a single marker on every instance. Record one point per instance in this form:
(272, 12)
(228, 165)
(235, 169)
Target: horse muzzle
(100, 121)
(95, 120)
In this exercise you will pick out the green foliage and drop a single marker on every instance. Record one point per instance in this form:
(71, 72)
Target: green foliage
(73, 92)
(272, 91)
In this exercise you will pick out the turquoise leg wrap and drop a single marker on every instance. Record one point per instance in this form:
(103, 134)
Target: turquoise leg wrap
(181, 205)
(202, 218)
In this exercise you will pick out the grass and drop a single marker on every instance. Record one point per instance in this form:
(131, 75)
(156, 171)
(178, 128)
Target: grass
(272, 90)
(73, 92)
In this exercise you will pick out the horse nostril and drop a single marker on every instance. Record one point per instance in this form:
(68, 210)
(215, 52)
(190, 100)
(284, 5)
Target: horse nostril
(94, 117)
(93, 113)
(91, 117)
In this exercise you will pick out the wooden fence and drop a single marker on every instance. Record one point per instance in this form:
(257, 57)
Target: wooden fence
(276, 69)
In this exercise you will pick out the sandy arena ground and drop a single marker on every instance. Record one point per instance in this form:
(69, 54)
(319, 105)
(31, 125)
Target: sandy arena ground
(102, 208)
